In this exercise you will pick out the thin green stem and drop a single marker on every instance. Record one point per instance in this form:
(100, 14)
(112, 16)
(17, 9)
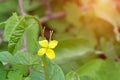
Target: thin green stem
(41, 29)
(45, 67)
(51, 33)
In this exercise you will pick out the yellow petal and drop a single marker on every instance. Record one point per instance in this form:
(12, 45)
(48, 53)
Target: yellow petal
(41, 51)
(53, 44)
(50, 54)
(43, 43)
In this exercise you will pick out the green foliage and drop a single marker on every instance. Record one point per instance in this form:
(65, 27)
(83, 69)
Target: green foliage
(72, 76)
(69, 47)
(74, 51)
(15, 75)
(19, 58)
(99, 70)
(10, 26)
(89, 30)
(3, 72)
(13, 33)
(32, 35)
(54, 72)
(16, 35)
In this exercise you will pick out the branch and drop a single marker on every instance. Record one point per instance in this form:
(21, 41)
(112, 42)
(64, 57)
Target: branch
(21, 9)
(53, 16)
(48, 7)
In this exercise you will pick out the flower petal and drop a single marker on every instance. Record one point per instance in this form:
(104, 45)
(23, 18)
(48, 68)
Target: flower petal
(50, 54)
(41, 51)
(53, 44)
(43, 43)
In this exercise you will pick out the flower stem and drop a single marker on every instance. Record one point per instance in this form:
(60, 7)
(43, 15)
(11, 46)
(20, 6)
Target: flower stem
(45, 67)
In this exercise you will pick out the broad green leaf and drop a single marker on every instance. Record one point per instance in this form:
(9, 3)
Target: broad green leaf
(54, 72)
(7, 57)
(17, 35)
(10, 26)
(74, 51)
(72, 76)
(27, 59)
(109, 70)
(3, 72)
(15, 75)
(71, 48)
(20, 58)
(32, 35)
(90, 68)
(100, 70)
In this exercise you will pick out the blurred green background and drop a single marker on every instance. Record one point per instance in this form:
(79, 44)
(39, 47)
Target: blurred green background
(86, 29)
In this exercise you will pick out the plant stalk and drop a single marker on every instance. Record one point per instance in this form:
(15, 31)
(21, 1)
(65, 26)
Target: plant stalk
(45, 67)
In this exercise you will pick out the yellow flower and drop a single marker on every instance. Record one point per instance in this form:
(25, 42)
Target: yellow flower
(47, 48)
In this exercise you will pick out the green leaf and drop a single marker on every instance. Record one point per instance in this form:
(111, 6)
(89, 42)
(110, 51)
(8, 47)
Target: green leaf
(32, 35)
(86, 78)
(90, 68)
(74, 51)
(7, 57)
(22, 68)
(27, 78)
(15, 75)
(3, 72)
(20, 58)
(8, 7)
(17, 35)
(100, 70)
(72, 76)
(26, 58)
(71, 48)
(10, 26)
(109, 70)
(54, 72)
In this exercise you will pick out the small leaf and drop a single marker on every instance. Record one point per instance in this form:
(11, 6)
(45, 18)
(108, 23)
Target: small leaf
(10, 26)
(17, 35)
